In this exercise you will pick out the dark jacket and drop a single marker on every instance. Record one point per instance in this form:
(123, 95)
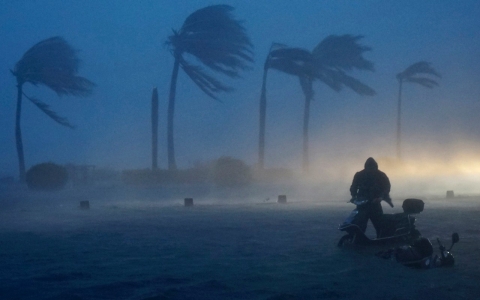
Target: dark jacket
(370, 183)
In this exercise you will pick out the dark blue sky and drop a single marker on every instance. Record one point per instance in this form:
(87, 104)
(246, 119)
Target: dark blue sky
(121, 44)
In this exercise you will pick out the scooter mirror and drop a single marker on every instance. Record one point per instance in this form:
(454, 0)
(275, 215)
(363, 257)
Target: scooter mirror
(455, 238)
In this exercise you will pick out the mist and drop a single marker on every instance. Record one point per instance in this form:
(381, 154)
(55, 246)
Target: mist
(139, 241)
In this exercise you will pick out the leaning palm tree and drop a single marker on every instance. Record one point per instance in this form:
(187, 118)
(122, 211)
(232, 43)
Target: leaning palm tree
(414, 74)
(333, 57)
(329, 63)
(220, 43)
(288, 60)
(53, 63)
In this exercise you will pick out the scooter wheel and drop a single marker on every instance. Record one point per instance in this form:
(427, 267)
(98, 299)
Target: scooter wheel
(344, 240)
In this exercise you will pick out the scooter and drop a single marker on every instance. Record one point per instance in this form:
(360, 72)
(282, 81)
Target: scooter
(395, 227)
(420, 254)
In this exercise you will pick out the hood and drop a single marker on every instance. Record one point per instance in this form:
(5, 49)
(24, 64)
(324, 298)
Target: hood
(371, 164)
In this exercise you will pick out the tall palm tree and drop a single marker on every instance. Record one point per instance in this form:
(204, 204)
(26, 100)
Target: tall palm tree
(288, 60)
(333, 57)
(53, 63)
(220, 43)
(414, 74)
(329, 63)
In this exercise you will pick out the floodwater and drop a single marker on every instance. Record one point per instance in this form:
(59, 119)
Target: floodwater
(138, 245)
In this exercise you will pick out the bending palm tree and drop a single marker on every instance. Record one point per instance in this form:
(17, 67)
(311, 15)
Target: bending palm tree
(53, 63)
(332, 58)
(220, 43)
(285, 59)
(328, 62)
(413, 74)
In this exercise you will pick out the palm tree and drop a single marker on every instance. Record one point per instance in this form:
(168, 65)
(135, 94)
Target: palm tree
(414, 74)
(285, 59)
(53, 63)
(219, 42)
(329, 62)
(333, 57)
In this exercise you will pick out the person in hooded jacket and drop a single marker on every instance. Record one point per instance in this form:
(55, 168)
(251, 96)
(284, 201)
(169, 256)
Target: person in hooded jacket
(374, 185)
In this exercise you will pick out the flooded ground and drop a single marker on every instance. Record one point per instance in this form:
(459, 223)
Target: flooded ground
(142, 244)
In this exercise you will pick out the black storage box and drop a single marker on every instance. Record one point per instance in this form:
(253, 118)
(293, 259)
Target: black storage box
(412, 206)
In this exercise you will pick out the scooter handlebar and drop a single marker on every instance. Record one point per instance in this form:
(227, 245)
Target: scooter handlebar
(358, 201)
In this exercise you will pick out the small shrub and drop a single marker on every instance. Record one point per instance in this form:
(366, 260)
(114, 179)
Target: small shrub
(231, 172)
(46, 177)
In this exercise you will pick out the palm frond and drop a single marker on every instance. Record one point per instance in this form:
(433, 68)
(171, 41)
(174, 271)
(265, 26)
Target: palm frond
(213, 36)
(421, 67)
(327, 63)
(426, 82)
(73, 85)
(53, 63)
(330, 78)
(208, 84)
(342, 52)
(293, 61)
(46, 109)
(356, 85)
(294, 54)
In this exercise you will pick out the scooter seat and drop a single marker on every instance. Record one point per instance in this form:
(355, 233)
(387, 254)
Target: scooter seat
(393, 217)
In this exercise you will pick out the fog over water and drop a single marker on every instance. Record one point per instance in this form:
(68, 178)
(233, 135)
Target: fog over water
(121, 45)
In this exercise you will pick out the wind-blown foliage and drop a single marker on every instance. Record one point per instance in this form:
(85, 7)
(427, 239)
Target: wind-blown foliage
(329, 63)
(53, 63)
(415, 73)
(207, 83)
(46, 109)
(220, 43)
(293, 61)
(342, 52)
(336, 55)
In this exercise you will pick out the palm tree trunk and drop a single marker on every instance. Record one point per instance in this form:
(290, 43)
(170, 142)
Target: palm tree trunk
(306, 117)
(18, 134)
(399, 123)
(263, 113)
(171, 108)
(154, 129)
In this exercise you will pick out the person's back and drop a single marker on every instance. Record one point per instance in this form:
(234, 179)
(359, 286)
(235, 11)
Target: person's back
(374, 185)
(370, 183)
